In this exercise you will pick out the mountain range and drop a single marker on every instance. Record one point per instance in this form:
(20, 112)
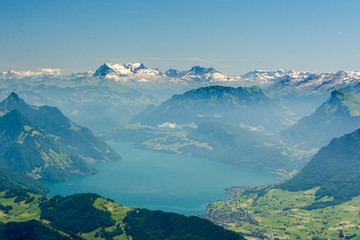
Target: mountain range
(42, 142)
(130, 87)
(280, 80)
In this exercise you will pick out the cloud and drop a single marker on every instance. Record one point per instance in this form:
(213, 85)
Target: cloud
(28, 73)
(168, 125)
(251, 128)
(51, 71)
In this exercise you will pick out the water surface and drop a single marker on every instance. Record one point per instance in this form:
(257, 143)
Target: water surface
(160, 181)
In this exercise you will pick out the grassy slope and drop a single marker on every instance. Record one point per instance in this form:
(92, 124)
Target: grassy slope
(22, 212)
(282, 214)
(71, 211)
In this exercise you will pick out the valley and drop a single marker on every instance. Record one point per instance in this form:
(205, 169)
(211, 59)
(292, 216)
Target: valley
(179, 120)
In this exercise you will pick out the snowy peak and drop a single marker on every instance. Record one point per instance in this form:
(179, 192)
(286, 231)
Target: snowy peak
(119, 69)
(124, 72)
(323, 81)
(137, 72)
(267, 77)
(285, 82)
(104, 70)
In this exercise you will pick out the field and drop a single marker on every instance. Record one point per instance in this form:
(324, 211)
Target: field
(280, 213)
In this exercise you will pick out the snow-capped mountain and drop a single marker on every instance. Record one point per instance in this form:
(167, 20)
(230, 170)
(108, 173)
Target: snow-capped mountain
(124, 72)
(307, 83)
(268, 77)
(313, 83)
(139, 73)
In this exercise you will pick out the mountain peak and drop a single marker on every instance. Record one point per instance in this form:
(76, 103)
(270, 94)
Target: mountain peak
(118, 69)
(12, 100)
(346, 100)
(13, 96)
(337, 94)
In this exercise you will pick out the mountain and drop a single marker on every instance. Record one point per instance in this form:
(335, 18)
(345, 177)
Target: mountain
(90, 216)
(27, 149)
(137, 72)
(228, 105)
(335, 169)
(118, 70)
(337, 116)
(42, 142)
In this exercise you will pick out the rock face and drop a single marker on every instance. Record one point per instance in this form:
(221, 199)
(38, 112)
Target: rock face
(42, 142)
(337, 116)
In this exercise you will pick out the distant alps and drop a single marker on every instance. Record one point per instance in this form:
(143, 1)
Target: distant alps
(302, 83)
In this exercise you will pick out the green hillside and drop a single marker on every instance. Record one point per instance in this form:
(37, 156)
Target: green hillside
(335, 169)
(89, 216)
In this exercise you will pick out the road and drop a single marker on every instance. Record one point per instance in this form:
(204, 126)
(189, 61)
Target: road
(253, 221)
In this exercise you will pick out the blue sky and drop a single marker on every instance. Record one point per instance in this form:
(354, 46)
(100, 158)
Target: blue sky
(234, 36)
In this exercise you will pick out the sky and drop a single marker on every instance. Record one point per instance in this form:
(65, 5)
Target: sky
(233, 36)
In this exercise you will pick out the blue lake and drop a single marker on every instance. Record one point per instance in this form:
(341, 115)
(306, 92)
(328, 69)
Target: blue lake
(160, 181)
